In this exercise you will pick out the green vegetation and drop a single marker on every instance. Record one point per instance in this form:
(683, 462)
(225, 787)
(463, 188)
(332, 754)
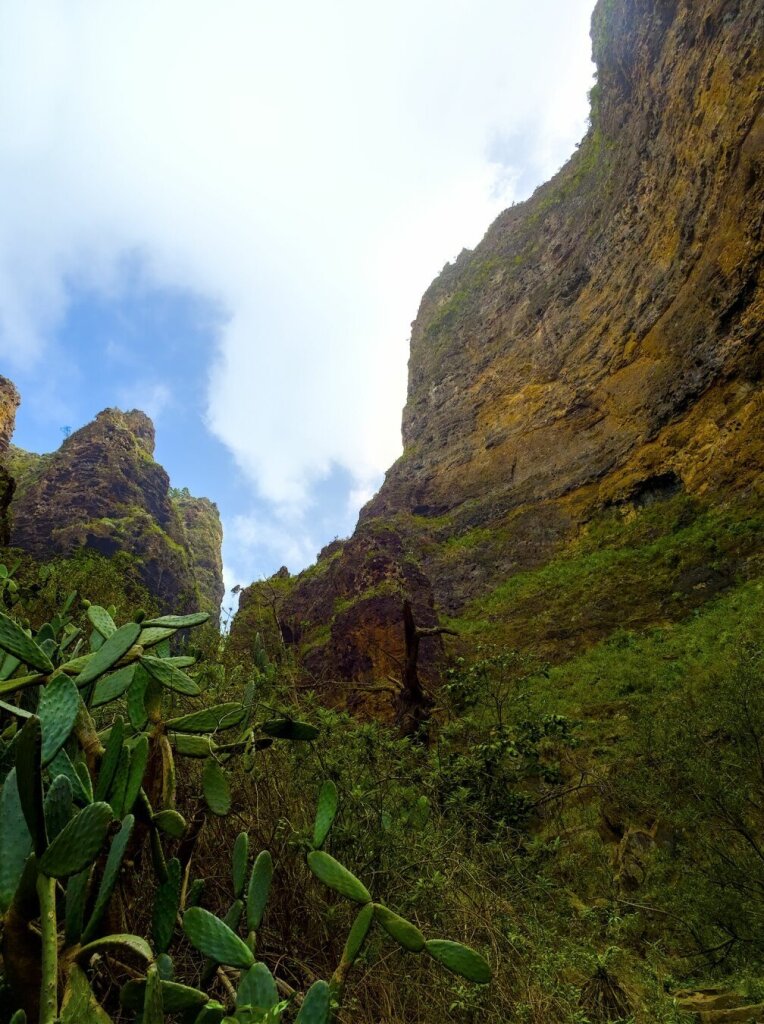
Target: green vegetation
(90, 786)
(627, 568)
(25, 467)
(585, 819)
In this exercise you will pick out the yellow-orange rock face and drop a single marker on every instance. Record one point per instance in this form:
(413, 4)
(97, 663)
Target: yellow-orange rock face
(604, 340)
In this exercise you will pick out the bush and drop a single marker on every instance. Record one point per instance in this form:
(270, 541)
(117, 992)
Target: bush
(88, 792)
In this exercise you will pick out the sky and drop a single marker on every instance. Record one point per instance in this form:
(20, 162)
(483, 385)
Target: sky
(226, 214)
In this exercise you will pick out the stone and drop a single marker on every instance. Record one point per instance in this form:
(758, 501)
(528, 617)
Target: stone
(599, 349)
(103, 490)
(9, 401)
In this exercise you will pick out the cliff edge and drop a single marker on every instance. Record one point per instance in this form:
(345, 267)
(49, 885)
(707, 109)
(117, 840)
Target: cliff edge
(588, 378)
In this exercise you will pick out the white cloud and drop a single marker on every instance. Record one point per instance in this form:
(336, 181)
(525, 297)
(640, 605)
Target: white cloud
(152, 398)
(309, 167)
(282, 536)
(358, 497)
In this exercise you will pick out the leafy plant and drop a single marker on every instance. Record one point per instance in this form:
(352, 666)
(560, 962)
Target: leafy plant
(88, 791)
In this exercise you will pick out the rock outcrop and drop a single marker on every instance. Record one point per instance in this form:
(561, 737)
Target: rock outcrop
(9, 401)
(204, 539)
(600, 349)
(103, 490)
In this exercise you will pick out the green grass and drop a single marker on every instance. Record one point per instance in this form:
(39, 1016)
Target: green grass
(633, 668)
(627, 569)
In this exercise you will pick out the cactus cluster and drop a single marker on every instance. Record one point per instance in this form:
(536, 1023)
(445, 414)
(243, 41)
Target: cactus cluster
(79, 805)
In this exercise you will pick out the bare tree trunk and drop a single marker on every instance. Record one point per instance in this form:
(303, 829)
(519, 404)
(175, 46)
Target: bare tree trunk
(413, 705)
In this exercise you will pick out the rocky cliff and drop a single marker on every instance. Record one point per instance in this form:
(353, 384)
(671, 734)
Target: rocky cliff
(103, 491)
(9, 400)
(204, 540)
(583, 430)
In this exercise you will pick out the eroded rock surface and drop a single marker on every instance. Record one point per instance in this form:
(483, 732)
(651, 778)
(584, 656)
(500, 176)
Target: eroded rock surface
(103, 490)
(601, 348)
(9, 401)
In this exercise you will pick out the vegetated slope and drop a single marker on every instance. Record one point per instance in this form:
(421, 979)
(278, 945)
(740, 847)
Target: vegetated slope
(583, 430)
(103, 492)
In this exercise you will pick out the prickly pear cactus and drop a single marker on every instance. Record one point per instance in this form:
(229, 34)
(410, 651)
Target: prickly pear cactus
(94, 717)
(77, 804)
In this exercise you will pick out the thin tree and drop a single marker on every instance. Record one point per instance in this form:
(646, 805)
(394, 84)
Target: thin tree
(413, 704)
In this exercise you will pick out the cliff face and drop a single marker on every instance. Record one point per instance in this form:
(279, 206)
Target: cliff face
(204, 539)
(9, 400)
(599, 350)
(103, 490)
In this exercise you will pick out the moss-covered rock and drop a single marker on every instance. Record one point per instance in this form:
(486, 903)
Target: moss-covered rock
(102, 491)
(599, 350)
(9, 400)
(204, 538)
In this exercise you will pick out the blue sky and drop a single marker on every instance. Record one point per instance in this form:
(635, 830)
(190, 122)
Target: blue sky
(226, 215)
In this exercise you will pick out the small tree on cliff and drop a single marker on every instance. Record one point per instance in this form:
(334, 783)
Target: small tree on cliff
(413, 704)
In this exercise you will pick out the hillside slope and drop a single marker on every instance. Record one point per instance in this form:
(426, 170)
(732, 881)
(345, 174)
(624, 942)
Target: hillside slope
(583, 430)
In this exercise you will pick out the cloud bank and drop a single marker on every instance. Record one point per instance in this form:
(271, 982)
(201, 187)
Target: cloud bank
(307, 167)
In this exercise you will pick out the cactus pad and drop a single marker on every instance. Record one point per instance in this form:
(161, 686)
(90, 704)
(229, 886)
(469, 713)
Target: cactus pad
(191, 745)
(118, 787)
(215, 939)
(118, 644)
(79, 1005)
(14, 640)
(316, 1005)
(259, 888)
(112, 686)
(139, 756)
(132, 945)
(358, 933)
(169, 777)
(153, 998)
(460, 959)
(110, 759)
(57, 711)
(212, 1013)
(170, 822)
(101, 620)
(136, 694)
(219, 717)
(58, 805)
(76, 896)
(404, 932)
(216, 788)
(110, 876)
(289, 729)
(152, 636)
(15, 840)
(166, 906)
(257, 989)
(195, 892)
(29, 781)
(79, 843)
(337, 877)
(170, 677)
(179, 621)
(175, 997)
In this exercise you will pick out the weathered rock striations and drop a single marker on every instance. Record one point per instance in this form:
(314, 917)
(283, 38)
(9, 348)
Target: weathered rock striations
(204, 539)
(601, 348)
(9, 401)
(102, 490)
